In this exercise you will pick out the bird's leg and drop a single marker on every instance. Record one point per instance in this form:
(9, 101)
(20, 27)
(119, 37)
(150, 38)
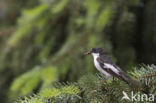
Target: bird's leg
(113, 79)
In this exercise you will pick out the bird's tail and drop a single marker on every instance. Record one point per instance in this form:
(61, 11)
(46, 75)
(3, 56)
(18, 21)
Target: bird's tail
(130, 80)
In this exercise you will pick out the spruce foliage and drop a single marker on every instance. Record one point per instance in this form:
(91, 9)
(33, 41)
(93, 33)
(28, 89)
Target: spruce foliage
(96, 89)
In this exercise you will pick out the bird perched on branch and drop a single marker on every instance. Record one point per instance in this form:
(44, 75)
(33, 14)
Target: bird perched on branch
(105, 65)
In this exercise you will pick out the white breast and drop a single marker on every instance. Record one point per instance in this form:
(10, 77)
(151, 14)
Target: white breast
(97, 65)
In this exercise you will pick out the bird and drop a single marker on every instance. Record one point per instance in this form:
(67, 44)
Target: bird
(106, 66)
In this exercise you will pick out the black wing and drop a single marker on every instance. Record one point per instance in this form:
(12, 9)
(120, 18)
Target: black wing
(114, 70)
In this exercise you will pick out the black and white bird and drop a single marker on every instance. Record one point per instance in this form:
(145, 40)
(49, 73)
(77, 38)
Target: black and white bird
(104, 64)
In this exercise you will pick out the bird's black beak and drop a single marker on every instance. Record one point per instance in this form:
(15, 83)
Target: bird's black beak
(86, 53)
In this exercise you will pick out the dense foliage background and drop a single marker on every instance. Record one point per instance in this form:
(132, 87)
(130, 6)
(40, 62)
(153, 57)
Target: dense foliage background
(42, 42)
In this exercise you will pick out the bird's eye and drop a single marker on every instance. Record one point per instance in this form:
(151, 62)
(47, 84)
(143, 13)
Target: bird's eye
(93, 50)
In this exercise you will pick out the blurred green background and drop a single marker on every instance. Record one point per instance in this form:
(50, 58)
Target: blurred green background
(42, 41)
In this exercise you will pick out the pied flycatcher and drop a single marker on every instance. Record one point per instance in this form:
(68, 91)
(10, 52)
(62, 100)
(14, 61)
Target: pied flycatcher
(104, 64)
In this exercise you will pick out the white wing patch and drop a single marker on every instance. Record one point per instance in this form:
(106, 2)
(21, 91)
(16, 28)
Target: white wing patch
(106, 65)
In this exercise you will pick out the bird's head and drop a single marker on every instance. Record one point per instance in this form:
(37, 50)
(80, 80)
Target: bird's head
(96, 50)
